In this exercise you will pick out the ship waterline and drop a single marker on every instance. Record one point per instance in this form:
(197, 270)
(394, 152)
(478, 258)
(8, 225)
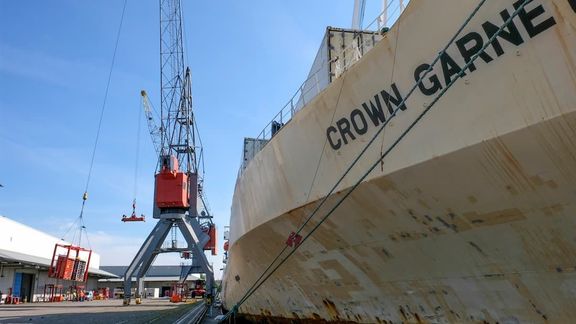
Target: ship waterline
(470, 218)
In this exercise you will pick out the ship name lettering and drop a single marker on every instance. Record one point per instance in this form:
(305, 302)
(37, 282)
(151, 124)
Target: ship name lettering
(532, 17)
(372, 112)
(471, 43)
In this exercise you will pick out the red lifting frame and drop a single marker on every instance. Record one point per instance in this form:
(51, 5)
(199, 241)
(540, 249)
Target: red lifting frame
(133, 218)
(72, 253)
(179, 292)
(54, 293)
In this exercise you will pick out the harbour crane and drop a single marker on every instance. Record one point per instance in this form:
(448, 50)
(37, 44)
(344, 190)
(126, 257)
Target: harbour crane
(178, 176)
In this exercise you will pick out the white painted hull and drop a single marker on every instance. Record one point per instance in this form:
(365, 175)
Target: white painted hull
(471, 218)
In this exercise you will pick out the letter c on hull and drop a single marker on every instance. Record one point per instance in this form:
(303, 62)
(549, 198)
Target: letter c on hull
(336, 145)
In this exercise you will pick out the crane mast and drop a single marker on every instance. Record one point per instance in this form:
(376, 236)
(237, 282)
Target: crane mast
(176, 189)
(177, 117)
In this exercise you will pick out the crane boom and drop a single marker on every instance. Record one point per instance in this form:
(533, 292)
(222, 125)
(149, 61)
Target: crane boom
(153, 128)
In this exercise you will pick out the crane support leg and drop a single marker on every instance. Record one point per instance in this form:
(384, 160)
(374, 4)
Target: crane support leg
(142, 273)
(145, 255)
(139, 289)
(195, 238)
(191, 231)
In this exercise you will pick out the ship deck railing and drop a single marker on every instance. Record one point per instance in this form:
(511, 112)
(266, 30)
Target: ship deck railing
(312, 86)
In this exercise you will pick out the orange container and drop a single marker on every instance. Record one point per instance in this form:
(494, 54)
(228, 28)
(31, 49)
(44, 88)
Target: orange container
(64, 267)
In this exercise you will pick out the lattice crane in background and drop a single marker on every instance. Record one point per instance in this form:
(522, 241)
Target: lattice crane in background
(178, 178)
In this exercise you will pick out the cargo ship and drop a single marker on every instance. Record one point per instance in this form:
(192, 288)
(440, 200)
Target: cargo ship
(454, 202)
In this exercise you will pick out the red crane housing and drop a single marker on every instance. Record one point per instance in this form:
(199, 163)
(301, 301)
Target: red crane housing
(172, 186)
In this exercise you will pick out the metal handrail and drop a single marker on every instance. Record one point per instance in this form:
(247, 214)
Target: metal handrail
(353, 51)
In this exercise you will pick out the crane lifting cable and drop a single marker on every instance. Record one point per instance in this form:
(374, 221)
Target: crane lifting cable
(133, 217)
(70, 261)
(80, 220)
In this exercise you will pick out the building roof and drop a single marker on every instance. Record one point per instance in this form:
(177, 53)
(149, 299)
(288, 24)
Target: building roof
(43, 263)
(155, 273)
(150, 279)
(17, 247)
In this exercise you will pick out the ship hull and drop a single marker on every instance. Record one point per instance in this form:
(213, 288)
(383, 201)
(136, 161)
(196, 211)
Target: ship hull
(470, 217)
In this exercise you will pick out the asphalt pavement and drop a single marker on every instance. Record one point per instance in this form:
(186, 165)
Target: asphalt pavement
(97, 311)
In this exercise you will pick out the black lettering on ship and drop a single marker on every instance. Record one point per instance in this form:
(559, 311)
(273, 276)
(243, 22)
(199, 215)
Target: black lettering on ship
(375, 111)
(371, 113)
(533, 20)
(572, 4)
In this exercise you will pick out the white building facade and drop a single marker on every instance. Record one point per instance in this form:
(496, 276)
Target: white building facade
(25, 255)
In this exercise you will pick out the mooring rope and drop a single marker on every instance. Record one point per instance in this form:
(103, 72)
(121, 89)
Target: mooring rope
(264, 276)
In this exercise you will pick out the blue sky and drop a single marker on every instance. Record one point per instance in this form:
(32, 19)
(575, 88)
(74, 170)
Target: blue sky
(247, 59)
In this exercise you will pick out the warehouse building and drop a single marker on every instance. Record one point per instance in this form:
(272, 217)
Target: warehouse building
(157, 283)
(25, 256)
